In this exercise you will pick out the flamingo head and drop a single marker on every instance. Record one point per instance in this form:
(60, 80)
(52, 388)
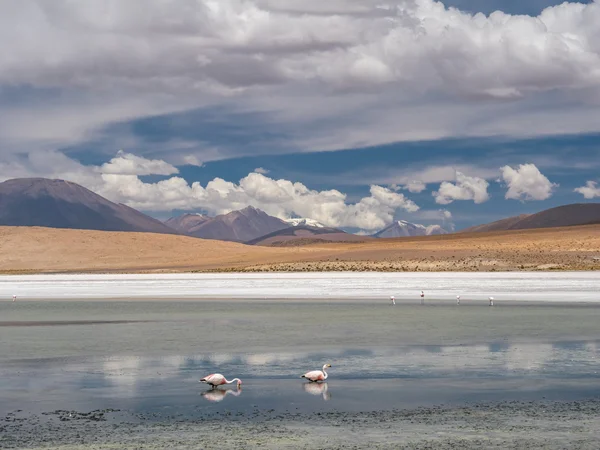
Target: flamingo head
(326, 366)
(239, 384)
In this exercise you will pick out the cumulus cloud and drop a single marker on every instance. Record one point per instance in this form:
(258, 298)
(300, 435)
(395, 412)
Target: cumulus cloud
(526, 183)
(120, 181)
(465, 188)
(129, 164)
(261, 170)
(589, 191)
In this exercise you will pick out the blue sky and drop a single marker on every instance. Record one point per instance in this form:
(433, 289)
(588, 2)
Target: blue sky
(354, 113)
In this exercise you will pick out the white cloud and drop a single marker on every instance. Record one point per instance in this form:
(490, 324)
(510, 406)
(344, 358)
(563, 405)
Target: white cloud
(415, 186)
(103, 61)
(283, 198)
(197, 44)
(589, 191)
(129, 164)
(261, 170)
(465, 188)
(526, 183)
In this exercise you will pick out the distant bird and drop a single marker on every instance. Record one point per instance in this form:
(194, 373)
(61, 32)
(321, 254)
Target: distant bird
(14, 298)
(422, 297)
(317, 389)
(216, 379)
(458, 299)
(317, 375)
(491, 301)
(393, 299)
(217, 395)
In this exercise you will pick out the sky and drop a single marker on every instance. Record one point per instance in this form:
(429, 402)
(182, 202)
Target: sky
(354, 113)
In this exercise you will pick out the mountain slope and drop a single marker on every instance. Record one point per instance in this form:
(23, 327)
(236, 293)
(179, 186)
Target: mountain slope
(237, 226)
(561, 216)
(303, 235)
(402, 228)
(498, 225)
(62, 204)
(187, 223)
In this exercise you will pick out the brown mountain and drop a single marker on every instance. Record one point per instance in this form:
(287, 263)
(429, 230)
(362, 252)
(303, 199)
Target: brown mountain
(561, 216)
(187, 223)
(237, 226)
(305, 235)
(499, 225)
(62, 204)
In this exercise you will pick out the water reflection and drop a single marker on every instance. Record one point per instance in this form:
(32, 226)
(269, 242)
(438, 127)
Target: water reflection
(217, 395)
(317, 389)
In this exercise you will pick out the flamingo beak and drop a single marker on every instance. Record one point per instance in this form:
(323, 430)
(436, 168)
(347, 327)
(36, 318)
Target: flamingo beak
(328, 365)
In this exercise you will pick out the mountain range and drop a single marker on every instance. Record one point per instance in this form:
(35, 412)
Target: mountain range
(63, 204)
(237, 226)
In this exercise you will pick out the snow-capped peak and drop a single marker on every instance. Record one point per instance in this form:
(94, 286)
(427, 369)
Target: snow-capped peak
(304, 222)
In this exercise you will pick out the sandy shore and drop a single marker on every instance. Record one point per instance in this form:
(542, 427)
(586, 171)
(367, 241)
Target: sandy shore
(516, 425)
(45, 250)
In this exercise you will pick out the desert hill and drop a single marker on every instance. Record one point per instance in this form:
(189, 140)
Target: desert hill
(33, 249)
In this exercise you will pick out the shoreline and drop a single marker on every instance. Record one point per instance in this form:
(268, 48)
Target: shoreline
(509, 424)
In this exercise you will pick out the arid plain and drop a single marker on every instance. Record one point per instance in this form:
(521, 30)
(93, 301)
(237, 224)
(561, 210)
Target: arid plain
(46, 250)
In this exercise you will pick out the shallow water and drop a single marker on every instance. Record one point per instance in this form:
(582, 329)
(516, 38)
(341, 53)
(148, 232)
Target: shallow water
(383, 357)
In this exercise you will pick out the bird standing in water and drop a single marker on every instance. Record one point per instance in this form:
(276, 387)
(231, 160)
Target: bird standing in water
(422, 298)
(458, 299)
(216, 379)
(393, 299)
(317, 375)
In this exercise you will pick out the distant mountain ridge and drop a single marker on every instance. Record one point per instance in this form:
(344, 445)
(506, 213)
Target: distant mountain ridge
(62, 204)
(304, 235)
(560, 216)
(237, 226)
(402, 228)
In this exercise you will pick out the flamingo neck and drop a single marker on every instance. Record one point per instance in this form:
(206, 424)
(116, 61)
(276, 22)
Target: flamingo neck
(325, 367)
(231, 381)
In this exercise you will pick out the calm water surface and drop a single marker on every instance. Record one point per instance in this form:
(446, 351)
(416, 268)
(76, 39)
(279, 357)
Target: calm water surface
(147, 356)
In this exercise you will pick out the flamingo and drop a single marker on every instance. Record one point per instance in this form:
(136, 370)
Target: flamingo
(217, 395)
(422, 297)
(216, 379)
(317, 375)
(14, 297)
(491, 301)
(393, 299)
(458, 299)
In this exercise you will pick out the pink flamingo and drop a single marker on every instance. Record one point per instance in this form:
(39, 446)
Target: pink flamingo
(317, 375)
(216, 379)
